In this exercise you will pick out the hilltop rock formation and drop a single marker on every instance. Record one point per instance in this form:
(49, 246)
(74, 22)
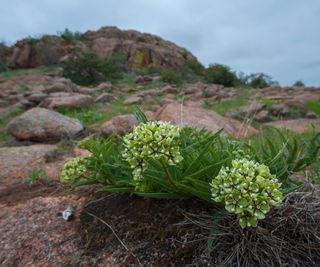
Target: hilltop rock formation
(140, 49)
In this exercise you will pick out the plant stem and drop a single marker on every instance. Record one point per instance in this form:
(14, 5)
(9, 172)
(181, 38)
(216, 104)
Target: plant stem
(165, 167)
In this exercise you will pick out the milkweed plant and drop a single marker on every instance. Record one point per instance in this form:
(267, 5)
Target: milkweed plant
(159, 160)
(155, 140)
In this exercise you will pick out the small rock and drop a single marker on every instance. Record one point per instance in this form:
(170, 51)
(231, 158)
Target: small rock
(106, 98)
(169, 89)
(139, 80)
(133, 99)
(122, 124)
(37, 97)
(151, 92)
(311, 115)
(262, 116)
(57, 87)
(105, 87)
(68, 213)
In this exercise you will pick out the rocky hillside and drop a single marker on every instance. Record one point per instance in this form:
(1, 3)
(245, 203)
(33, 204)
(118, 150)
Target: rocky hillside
(140, 49)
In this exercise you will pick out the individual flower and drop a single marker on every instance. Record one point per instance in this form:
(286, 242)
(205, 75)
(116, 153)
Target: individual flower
(73, 170)
(247, 189)
(155, 140)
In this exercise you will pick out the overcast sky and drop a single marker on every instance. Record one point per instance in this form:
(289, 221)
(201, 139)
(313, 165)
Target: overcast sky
(277, 37)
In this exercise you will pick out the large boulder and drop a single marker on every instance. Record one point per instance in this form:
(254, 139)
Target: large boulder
(65, 100)
(40, 124)
(201, 118)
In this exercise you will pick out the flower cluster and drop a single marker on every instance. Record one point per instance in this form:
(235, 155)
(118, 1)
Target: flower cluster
(73, 169)
(247, 189)
(155, 140)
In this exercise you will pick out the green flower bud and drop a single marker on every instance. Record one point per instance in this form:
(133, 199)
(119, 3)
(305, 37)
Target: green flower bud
(254, 190)
(73, 170)
(155, 140)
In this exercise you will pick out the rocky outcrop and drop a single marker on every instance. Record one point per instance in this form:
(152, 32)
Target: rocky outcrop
(140, 49)
(201, 118)
(41, 125)
(30, 53)
(296, 125)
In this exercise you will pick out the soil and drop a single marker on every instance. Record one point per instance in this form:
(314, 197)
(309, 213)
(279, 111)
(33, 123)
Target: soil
(152, 232)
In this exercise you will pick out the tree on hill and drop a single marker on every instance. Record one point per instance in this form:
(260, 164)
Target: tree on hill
(220, 74)
(260, 80)
(298, 84)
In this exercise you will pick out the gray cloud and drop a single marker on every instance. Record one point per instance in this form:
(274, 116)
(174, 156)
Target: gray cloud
(280, 38)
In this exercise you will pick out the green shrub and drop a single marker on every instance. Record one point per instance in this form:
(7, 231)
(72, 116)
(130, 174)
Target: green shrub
(149, 70)
(171, 76)
(71, 37)
(34, 176)
(91, 69)
(3, 66)
(140, 39)
(3, 49)
(314, 106)
(220, 74)
(298, 84)
(196, 67)
(260, 80)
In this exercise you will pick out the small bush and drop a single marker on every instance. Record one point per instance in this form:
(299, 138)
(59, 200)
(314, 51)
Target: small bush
(140, 39)
(34, 176)
(3, 66)
(172, 77)
(91, 69)
(148, 70)
(298, 84)
(71, 37)
(196, 67)
(3, 49)
(260, 80)
(220, 74)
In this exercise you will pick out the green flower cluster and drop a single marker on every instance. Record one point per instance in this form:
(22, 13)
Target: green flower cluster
(155, 140)
(73, 169)
(247, 189)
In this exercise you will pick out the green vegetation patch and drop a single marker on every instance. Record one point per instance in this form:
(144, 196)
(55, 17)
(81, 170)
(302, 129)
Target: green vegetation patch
(225, 106)
(314, 106)
(50, 70)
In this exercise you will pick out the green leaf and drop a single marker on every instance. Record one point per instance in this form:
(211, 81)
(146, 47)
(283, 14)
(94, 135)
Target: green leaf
(159, 195)
(116, 189)
(140, 116)
(218, 217)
